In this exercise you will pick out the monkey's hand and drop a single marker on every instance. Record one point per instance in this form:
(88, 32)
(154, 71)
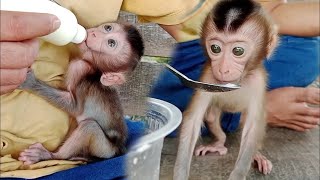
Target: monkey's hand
(288, 107)
(30, 81)
(263, 164)
(218, 147)
(34, 154)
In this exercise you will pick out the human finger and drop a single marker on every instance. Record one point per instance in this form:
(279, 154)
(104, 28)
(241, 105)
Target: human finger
(289, 126)
(16, 55)
(304, 109)
(7, 89)
(313, 95)
(12, 76)
(309, 95)
(308, 119)
(303, 125)
(19, 26)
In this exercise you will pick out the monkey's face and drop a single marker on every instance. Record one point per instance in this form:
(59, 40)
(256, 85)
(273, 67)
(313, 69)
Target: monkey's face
(107, 39)
(229, 53)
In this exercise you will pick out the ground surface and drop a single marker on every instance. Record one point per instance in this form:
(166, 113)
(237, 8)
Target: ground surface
(295, 156)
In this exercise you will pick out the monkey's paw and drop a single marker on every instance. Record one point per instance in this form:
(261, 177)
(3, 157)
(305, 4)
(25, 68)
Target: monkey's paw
(30, 80)
(34, 154)
(202, 150)
(264, 165)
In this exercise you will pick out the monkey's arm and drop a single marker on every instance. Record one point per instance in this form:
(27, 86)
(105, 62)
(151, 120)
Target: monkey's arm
(254, 125)
(59, 98)
(76, 71)
(190, 128)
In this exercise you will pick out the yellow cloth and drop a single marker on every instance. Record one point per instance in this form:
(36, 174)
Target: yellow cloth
(93, 12)
(160, 11)
(29, 118)
(10, 167)
(189, 14)
(191, 27)
(26, 118)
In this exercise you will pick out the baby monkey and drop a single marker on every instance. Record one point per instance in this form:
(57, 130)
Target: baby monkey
(237, 36)
(105, 59)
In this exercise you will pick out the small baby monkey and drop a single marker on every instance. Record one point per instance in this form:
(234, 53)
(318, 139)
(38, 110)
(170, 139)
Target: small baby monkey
(237, 36)
(108, 55)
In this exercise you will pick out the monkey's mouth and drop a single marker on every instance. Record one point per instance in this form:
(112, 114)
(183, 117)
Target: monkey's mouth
(85, 43)
(84, 46)
(236, 81)
(223, 82)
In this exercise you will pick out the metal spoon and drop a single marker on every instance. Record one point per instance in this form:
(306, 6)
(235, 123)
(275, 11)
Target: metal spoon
(201, 85)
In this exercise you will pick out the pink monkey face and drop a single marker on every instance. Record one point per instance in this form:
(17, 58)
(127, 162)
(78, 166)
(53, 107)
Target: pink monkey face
(109, 39)
(229, 54)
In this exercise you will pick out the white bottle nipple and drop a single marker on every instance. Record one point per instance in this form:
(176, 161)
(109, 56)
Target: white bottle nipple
(80, 36)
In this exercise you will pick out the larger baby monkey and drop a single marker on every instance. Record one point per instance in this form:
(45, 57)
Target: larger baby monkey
(237, 36)
(108, 55)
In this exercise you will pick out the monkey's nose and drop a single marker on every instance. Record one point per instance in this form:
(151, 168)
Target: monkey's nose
(224, 71)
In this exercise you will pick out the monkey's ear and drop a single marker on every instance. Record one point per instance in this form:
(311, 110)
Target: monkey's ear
(273, 42)
(112, 78)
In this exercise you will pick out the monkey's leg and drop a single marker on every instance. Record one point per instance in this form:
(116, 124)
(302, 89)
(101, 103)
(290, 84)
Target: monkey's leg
(87, 140)
(62, 99)
(37, 152)
(74, 145)
(189, 133)
(252, 135)
(213, 122)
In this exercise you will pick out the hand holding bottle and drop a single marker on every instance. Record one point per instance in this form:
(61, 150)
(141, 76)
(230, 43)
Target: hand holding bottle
(19, 47)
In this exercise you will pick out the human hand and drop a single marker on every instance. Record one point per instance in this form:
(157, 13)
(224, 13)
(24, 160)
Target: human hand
(19, 47)
(287, 107)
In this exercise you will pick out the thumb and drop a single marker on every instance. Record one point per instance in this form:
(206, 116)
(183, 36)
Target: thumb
(19, 26)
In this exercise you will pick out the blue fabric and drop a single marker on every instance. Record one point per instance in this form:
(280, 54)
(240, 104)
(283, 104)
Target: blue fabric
(295, 62)
(114, 168)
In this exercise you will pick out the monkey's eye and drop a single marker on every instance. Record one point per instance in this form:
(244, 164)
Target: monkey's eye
(111, 43)
(215, 49)
(108, 28)
(238, 51)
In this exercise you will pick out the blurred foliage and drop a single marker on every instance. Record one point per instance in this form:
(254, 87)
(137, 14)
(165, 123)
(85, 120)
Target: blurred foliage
(158, 59)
